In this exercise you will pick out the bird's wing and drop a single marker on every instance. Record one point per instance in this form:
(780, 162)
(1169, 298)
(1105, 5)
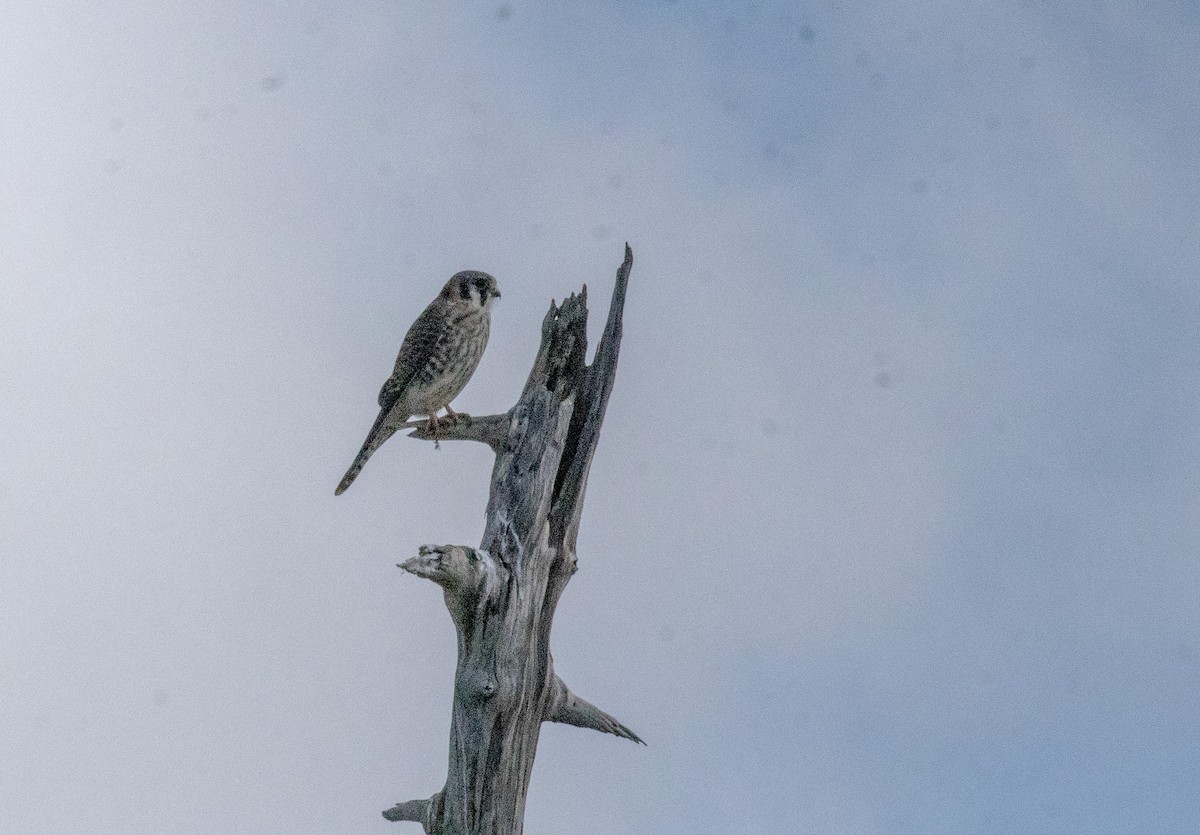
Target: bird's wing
(418, 348)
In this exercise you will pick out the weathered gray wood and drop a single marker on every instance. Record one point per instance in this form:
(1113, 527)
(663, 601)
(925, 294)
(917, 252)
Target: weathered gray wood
(502, 595)
(569, 709)
(413, 810)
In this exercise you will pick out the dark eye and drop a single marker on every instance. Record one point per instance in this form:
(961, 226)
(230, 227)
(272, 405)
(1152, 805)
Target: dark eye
(482, 286)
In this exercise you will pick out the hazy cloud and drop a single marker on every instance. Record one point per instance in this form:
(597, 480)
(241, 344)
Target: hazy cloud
(893, 526)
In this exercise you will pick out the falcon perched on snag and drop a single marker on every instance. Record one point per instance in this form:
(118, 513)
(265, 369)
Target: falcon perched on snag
(438, 356)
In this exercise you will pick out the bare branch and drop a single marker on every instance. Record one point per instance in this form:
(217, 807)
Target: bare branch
(417, 811)
(468, 576)
(489, 429)
(453, 567)
(569, 709)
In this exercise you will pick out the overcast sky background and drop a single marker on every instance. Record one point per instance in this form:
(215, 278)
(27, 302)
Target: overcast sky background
(894, 523)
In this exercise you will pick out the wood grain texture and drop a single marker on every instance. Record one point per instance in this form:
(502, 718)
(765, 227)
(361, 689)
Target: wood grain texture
(502, 596)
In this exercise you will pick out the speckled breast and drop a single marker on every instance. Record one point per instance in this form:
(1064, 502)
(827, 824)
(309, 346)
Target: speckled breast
(459, 349)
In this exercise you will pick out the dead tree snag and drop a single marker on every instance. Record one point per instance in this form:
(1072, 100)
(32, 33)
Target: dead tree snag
(502, 595)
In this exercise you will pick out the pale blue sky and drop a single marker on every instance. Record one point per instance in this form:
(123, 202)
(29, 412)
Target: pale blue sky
(893, 526)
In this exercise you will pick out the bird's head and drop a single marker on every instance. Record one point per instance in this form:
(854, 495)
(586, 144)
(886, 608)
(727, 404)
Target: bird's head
(473, 287)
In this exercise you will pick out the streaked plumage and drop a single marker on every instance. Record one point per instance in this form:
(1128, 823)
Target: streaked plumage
(438, 356)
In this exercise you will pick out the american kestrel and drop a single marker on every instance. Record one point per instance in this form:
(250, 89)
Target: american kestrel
(437, 358)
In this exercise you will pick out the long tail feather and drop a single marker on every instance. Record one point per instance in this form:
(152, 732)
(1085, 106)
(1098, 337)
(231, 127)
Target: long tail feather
(378, 434)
